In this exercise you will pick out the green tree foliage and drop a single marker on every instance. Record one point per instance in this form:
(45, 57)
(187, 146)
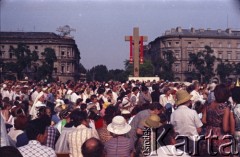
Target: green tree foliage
(237, 68)
(117, 75)
(46, 69)
(224, 70)
(24, 58)
(203, 61)
(97, 73)
(146, 69)
(166, 64)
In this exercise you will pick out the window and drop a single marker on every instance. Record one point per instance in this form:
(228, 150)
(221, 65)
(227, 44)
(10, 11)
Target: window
(68, 54)
(176, 67)
(229, 45)
(189, 67)
(220, 44)
(67, 68)
(36, 47)
(62, 53)
(229, 55)
(238, 45)
(3, 46)
(177, 43)
(10, 55)
(189, 43)
(169, 44)
(211, 44)
(238, 55)
(177, 54)
(220, 55)
(62, 68)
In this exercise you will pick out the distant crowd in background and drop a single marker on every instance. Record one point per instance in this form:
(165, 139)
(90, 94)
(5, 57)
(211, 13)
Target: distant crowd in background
(110, 119)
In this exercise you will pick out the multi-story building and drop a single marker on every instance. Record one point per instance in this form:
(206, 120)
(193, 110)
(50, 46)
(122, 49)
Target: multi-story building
(68, 56)
(182, 42)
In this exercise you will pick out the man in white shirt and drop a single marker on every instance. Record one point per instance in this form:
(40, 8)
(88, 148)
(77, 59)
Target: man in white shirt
(186, 121)
(80, 135)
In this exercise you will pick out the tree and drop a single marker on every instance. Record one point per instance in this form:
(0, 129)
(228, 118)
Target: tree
(117, 75)
(97, 73)
(48, 64)
(166, 71)
(224, 70)
(146, 69)
(24, 58)
(203, 62)
(237, 68)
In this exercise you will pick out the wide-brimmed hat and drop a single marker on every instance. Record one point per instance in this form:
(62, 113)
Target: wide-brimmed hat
(153, 121)
(119, 126)
(182, 96)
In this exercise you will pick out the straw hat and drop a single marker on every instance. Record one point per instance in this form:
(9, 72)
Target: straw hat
(153, 121)
(119, 126)
(182, 96)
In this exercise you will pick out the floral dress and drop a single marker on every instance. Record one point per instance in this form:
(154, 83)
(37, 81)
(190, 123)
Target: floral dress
(214, 127)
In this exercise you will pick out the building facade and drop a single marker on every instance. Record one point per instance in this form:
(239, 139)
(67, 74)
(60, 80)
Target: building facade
(182, 42)
(68, 55)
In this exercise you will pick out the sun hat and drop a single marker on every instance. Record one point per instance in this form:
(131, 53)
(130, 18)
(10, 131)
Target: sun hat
(182, 96)
(119, 126)
(153, 121)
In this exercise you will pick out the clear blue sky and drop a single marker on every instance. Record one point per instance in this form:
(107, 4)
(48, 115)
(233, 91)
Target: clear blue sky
(102, 24)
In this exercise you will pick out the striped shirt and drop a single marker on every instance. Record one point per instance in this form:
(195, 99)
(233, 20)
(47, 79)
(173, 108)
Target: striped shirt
(119, 146)
(78, 137)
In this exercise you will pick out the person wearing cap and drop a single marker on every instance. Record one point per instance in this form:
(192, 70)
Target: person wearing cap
(136, 123)
(151, 123)
(186, 121)
(119, 145)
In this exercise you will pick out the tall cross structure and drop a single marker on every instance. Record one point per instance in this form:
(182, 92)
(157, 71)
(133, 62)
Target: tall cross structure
(136, 44)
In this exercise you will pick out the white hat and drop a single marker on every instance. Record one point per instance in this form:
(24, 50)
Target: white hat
(125, 112)
(119, 126)
(59, 102)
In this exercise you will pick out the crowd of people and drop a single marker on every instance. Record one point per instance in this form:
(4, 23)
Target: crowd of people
(115, 119)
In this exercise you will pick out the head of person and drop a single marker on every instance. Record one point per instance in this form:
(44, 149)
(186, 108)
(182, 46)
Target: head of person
(196, 85)
(221, 93)
(44, 111)
(156, 108)
(94, 98)
(153, 121)
(145, 89)
(236, 95)
(10, 151)
(183, 98)
(78, 117)
(92, 148)
(168, 138)
(118, 126)
(20, 122)
(36, 129)
(135, 90)
(167, 91)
